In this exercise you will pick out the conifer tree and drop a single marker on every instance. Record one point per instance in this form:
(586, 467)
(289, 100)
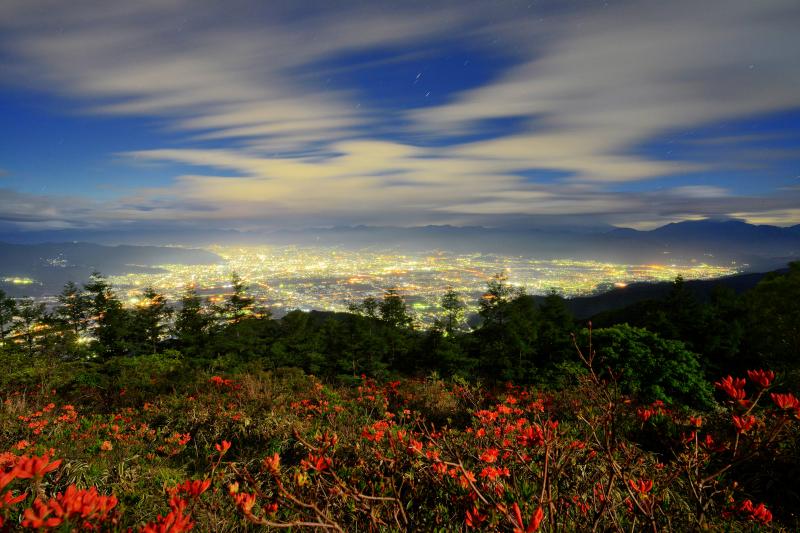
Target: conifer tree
(74, 308)
(192, 322)
(150, 320)
(8, 308)
(393, 310)
(111, 320)
(239, 304)
(29, 324)
(453, 310)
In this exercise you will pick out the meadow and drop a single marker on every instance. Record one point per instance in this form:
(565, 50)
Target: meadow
(284, 451)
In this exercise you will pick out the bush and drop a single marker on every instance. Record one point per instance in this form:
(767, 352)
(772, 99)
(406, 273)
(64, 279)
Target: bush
(652, 368)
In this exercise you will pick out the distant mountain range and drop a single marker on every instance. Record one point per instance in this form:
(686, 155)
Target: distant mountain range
(760, 247)
(53, 264)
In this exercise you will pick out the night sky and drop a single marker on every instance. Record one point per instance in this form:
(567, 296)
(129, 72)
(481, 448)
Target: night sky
(264, 114)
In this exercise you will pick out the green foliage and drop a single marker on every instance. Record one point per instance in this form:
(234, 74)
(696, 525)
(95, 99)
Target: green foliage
(518, 337)
(149, 321)
(773, 319)
(393, 310)
(27, 328)
(453, 309)
(192, 323)
(8, 308)
(650, 367)
(239, 303)
(146, 374)
(74, 308)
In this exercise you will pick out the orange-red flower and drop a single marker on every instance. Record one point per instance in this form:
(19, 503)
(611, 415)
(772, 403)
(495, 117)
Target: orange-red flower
(519, 524)
(644, 413)
(733, 387)
(474, 518)
(785, 401)
(272, 464)
(38, 516)
(174, 522)
(223, 447)
(35, 467)
(762, 378)
(86, 505)
(245, 502)
(320, 463)
(696, 421)
(531, 436)
(192, 488)
(9, 499)
(758, 513)
(489, 455)
(744, 423)
(642, 486)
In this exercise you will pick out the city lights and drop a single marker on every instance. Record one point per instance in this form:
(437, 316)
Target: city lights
(327, 278)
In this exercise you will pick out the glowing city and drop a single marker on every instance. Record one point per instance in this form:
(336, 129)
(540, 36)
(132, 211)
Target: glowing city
(329, 278)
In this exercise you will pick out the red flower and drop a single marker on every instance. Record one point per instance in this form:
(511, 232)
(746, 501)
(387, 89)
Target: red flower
(174, 522)
(531, 436)
(762, 378)
(474, 518)
(643, 486)
(493, 473)
(733, 387)
(743, 423)
(193, 488)
(644, 413)
(319, 463)
(245, 502)
(35, 467)
(9, 499)
(38, 517)
(696, 421)
(414, 447)
(74, 503)
(7, 478)
(761, 514)
(272, 464)
(785, 401)
(489, 455)
(466, 479)
(519, 524)
(758, 513)
(223, 447)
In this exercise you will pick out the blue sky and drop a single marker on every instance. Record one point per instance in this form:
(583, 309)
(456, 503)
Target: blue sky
(250, 115)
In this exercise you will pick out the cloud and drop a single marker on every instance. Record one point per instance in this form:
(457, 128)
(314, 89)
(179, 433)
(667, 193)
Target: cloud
(241, 86)
(617, 76)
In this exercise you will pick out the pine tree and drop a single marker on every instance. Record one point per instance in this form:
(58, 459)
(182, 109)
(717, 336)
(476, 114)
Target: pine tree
(393, 310)
(150, 320)
(453, 310)
(192, 322)
(74, 308)
(8, 309)
(239, 304)
(29, 324)
(494, 303)
(112, 322)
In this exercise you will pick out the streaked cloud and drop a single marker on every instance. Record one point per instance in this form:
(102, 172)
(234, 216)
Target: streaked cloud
(241, 85)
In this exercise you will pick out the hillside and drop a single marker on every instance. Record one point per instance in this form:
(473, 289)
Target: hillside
(584, 307)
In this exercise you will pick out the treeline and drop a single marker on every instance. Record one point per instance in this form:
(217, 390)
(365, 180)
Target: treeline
(661, 349)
